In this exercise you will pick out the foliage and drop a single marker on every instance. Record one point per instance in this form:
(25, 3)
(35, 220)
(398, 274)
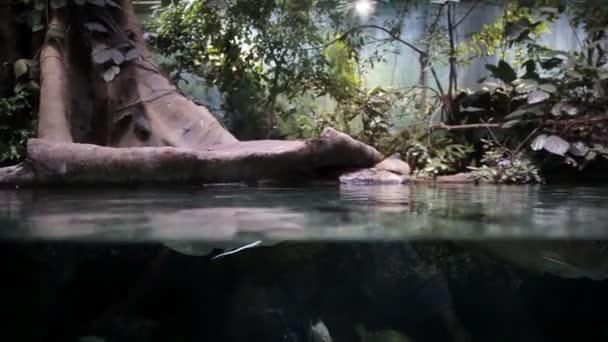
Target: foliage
(16, 127)
(253, 53)
(500, 165)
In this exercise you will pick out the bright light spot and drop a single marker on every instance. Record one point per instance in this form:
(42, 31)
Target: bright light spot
(364, 7)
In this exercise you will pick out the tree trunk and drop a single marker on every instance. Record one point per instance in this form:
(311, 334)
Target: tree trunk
(150, 131)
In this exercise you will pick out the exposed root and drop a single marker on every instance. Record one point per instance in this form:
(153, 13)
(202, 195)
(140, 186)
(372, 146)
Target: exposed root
(61, 163)
(21, 174)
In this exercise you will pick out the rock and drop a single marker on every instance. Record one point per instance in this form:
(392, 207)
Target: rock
(395, 165)
(459, 178)
(373, 176)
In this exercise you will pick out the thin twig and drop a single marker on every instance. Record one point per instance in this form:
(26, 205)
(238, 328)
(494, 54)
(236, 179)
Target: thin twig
(464, 127)
(467, 14)
(362, 27)
(525, 141)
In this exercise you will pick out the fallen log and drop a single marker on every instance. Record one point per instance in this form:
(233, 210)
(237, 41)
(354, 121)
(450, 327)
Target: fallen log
(53, 163)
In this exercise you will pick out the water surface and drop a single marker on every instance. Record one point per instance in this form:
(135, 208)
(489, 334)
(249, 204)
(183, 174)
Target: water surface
(363, 213)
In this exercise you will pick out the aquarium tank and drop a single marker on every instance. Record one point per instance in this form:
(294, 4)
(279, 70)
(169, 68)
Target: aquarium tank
(303, 170)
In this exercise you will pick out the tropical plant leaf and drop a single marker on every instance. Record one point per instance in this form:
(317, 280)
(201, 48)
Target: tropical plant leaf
(539, 142)
(95, 27)
(117, 56)
(112, 3)
(20, 68)
(551, 63)
(556, 145)
(517, 114)
(538, 96)
(525, 85)
(132, 54)
(111, 73)
(578, 149)
(503, 71)
(548, 87)
(511, 124)
(100, 3)
(102, 56)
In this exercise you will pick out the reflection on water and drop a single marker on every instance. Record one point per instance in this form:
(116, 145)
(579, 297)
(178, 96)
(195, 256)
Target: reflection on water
(352, 264)
(324, 213)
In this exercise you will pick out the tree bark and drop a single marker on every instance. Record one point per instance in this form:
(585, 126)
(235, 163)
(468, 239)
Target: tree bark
(52, 163)
(53, 121)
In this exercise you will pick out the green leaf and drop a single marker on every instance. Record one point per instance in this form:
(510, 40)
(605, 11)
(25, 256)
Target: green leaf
(511, 124)
(517, 114)
(539, 142)
(526, 85)
(95, 27)
(537, 96)
(503, 71)
(117, 56)
(578, 149)
(556, 145)
(112, 3)
(111, 73)
(100, 3)
(548, 87)
(133, 54)
(551, 63)
(102, 56)
(20, 68)
(80, 2)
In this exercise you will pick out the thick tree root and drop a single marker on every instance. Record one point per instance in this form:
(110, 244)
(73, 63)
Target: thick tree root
(51, 163)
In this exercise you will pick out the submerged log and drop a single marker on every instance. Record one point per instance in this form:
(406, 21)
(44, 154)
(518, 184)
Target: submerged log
(67, 163)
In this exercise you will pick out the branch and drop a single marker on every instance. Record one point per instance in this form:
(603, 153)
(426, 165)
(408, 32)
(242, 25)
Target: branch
(464, 127)
(377, 27)
(466, 15)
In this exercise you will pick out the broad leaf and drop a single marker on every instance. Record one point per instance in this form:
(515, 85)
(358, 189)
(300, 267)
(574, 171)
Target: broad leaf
(517, 114)
(117, 56)
(557, 109)
(556, 145)
(102, 56)
(537, 96)
(578, 149)
(526, 85)
(95, 27)
(20, 68)
(548, 87)
(570, 109)
(111, 73)
(539, 142)
(132, 54)
(503, 71)
(112, 3)
(100, 3)
(511, 124)
(551, 63)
